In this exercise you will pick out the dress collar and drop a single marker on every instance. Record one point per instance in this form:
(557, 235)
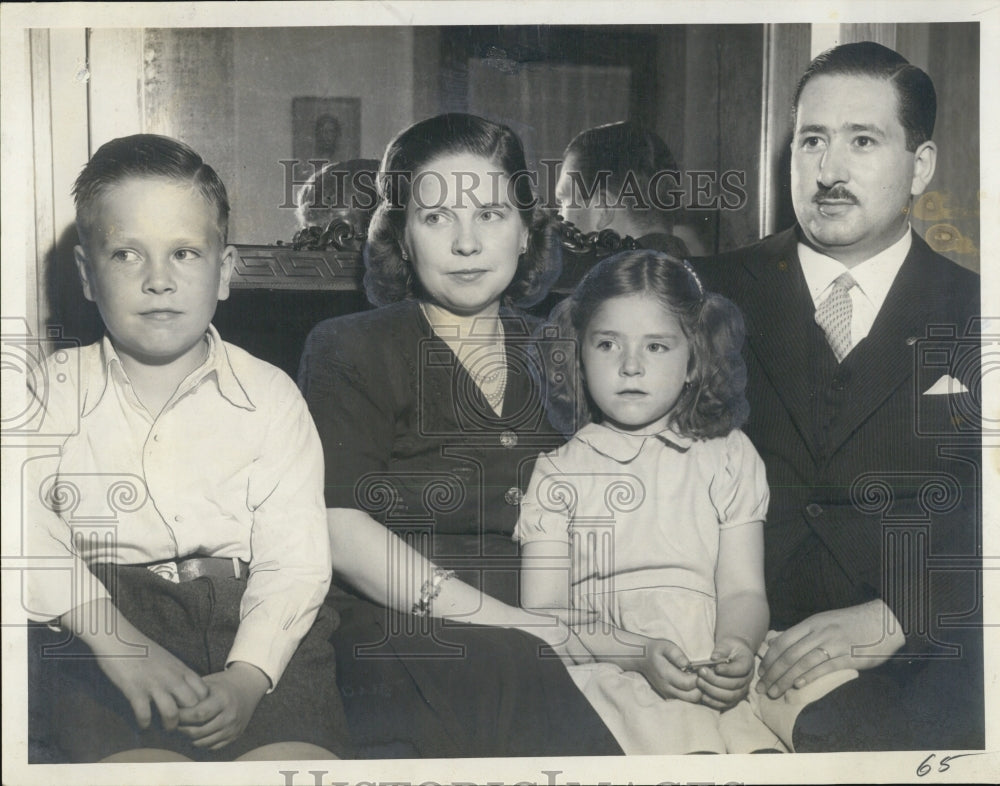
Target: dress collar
(623, 447)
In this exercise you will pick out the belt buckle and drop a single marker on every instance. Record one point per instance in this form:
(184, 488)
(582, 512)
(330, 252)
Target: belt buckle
(166, 570)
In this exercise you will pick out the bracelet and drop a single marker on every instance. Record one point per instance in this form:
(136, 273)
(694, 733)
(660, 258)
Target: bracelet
(430, 590)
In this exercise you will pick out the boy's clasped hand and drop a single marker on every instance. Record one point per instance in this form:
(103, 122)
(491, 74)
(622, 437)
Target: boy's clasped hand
(212, 710)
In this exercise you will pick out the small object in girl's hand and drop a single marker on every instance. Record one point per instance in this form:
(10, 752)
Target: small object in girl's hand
(712, 662)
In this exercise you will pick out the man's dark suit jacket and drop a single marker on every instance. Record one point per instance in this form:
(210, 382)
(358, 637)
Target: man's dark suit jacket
(875, 483)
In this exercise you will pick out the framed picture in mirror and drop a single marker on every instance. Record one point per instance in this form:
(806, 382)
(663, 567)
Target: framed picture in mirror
(325, 129)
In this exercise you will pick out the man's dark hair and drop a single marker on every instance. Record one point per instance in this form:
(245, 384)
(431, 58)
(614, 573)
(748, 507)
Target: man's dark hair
(145, 155)
(917, 101)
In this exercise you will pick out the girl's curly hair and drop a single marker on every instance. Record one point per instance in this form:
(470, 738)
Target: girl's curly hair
(388, 277)
(712, 405)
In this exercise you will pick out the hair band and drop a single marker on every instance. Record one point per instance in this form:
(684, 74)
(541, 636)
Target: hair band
(697, 281)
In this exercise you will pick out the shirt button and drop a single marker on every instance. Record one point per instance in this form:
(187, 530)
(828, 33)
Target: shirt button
(156, 438)
(178, 518)
(814, 510)
(513, 496)
(508, 439)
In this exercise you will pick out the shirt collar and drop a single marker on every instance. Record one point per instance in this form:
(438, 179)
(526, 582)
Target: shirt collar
(623, 447)
(217, 366)
(874, 276)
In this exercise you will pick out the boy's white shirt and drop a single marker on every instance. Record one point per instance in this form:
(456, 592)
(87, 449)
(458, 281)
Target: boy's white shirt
(232, 467)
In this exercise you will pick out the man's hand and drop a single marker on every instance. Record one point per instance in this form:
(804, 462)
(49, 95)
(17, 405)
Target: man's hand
(663, 665)
(153, 675)
(725, 685)
(221, 717)
(826, 642)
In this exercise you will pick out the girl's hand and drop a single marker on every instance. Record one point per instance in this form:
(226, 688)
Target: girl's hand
(727, 684)
(663, 665)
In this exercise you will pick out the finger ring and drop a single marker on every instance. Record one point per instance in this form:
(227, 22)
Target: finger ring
(828, 655)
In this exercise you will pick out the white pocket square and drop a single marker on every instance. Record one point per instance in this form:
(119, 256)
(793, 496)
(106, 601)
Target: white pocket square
(946, 385)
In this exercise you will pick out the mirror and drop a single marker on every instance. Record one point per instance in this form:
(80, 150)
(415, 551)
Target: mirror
(268, 106)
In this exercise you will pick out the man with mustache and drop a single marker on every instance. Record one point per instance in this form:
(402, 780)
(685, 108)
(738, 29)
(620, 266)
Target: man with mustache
(872, 455)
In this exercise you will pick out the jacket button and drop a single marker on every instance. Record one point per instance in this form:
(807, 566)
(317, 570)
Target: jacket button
(814, 510)
(513, 496)
(508, 439)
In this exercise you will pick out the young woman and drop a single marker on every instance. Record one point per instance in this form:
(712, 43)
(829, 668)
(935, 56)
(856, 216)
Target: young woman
(430, 421)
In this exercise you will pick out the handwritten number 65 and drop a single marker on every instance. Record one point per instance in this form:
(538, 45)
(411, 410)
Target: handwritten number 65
(943, 766)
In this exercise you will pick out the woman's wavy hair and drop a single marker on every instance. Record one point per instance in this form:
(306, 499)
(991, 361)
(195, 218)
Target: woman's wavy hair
(388, 277)
(711, 405)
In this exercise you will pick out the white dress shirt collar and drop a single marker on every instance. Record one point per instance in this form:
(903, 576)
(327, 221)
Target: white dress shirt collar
(873, 277)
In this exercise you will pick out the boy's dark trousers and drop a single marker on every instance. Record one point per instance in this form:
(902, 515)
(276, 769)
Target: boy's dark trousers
(77, 715)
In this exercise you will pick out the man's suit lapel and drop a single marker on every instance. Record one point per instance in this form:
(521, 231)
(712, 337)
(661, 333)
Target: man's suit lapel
(884, 360)
(779, 312)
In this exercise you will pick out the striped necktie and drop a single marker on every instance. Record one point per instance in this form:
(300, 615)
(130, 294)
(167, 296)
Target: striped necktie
(834, 316)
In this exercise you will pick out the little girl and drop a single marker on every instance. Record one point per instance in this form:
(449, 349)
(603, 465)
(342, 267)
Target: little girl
(647, 524)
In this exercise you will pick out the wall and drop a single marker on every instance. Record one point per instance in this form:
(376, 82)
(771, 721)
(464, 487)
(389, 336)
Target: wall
(709, 113)
(273, 65)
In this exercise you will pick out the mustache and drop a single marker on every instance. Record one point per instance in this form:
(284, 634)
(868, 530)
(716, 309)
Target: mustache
(838, 193)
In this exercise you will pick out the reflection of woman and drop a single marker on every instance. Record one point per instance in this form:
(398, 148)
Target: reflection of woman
(342, 190)
(623, 177)
(430, 423)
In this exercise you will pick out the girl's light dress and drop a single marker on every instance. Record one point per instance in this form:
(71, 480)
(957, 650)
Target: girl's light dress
(642, 517)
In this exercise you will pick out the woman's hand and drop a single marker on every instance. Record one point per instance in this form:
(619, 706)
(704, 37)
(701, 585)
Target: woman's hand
(555, 628)
(563, 639)
(727, 684)
(663, 664)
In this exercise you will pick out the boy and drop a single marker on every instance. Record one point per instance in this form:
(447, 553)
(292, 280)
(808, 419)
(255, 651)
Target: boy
(219, 555)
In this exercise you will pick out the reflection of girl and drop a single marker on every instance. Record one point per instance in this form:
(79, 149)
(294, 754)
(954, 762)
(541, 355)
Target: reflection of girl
(430, 422)
(651, 518)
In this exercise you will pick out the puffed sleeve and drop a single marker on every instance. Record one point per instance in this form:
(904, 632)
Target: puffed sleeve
(548, 505)
(348, 389)
(739, 489)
